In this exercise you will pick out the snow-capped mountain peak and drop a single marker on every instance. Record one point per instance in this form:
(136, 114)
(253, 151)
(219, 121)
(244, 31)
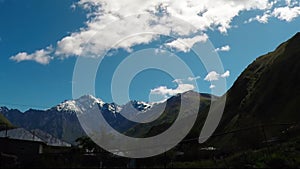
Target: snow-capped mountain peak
(141, 106)
(112, 107)
(91, 100)
(73, 105)
(3, 109)
(69, 105)
(88, 102)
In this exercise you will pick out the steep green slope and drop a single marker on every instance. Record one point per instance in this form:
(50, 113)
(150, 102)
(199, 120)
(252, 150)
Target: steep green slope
(266, 93)
(260, 126)
(4, 123)
(170, 114)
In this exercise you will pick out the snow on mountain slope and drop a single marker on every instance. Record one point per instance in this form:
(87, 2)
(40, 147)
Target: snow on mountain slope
(74, 106)
(3, 109)
(88, 101)
(141, 106)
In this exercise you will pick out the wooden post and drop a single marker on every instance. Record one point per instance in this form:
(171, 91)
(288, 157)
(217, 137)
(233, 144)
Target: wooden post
(6, 128)
(165, 157)
(266, 140)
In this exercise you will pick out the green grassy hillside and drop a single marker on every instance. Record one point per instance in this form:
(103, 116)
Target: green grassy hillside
(170, 114)
(260, 125)
(4, 123)
(266, 94)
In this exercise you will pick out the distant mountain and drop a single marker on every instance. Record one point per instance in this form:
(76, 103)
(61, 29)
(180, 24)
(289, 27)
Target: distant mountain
(61, 124)
(61, 120)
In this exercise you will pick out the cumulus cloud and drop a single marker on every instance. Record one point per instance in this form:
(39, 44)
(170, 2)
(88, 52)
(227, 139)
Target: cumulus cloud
(212, 86)
(159, 19)
(261, 18)
(178, 81)
(223, 49)
(165, 91)
(40, 56)
(186, 44)
(264, 18)
(114, 24)
(214, 76)
(160, 50)
(193, 78)
(189, 79)
(287, 12)
(183, 86)
(226, 74)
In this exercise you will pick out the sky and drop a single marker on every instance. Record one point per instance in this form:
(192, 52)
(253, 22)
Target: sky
(41, 41)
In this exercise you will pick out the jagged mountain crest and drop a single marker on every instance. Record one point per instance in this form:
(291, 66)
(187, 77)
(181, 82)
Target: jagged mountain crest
(61, 121)
(90, 101)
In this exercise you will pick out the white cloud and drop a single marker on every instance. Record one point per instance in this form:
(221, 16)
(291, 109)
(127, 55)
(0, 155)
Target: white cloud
(165, 91)
(287, 13)
(193, 78)
(264, 18)
(223, 49)
(212, 86)
(189, 79)
(261, 18)
(159, 18)
(186, 44)
(40, 56)
(183, 86)
(226, 74)
(214, 76)
(160, 50)
(119, 24)
(292, 2)
(178, 81)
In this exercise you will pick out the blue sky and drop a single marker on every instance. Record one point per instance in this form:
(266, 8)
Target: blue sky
(31, 25)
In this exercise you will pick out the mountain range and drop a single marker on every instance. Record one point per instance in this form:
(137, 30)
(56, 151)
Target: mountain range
(266, 93)
(61, 121)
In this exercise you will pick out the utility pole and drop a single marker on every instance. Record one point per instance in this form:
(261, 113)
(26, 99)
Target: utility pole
(266, 141)
(6, 128)
(33, 135)
(165, 157)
